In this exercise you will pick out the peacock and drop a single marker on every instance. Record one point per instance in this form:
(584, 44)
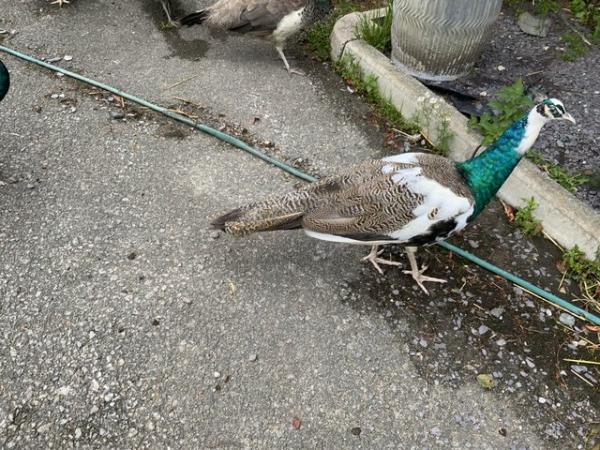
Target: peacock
(4, 80)
(277, 20)
(412, 199)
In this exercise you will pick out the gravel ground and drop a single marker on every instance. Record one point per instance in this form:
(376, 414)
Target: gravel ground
(513, 54)
(128, 323)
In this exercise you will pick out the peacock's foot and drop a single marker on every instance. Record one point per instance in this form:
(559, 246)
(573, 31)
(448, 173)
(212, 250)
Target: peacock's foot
(59, 2)
(374, 259)
(420, 278)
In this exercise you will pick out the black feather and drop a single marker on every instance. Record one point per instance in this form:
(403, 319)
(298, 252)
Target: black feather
(367, 237)
(194, 18)
(440, 230)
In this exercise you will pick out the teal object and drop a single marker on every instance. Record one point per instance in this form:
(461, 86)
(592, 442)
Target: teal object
(557, 301)
(4, 80)
(486, 173)
(561, 303)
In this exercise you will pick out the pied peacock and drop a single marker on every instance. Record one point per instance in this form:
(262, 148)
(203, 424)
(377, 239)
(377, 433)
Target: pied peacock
(4, 80)
(277, 20)
(410, 199)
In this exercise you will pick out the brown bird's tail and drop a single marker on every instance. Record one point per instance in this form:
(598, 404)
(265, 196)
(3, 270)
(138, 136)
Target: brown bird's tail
(194, 18)
(278, 213)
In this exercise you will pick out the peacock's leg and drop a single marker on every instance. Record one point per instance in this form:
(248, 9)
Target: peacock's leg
(166, 6)
(374, 259)
(417, 273)
(279, 49)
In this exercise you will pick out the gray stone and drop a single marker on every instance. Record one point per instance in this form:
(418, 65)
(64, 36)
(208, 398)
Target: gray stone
(534, 25)
(567, 319)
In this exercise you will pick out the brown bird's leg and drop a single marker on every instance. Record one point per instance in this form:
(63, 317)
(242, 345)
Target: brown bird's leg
(166, 6)
(417, 273)
(374, 259)
(279, 49)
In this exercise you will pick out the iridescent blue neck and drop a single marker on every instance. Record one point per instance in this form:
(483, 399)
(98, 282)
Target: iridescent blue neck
(486, 173)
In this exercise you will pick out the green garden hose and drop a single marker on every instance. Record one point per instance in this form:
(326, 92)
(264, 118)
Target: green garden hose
(559, 302)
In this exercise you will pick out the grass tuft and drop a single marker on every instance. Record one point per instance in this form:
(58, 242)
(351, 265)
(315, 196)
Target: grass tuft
(377, 32)
(569, 181)
(525, 221)
(318, 37)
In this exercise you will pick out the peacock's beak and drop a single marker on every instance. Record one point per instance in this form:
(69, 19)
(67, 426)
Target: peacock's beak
(569, 117)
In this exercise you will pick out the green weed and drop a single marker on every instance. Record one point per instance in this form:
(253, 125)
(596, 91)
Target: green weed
(575, 47)
(525, 221)
(585, 272)
(510, 104)
(377, 32)
(349, 70)
(318, 37)
(560, 175)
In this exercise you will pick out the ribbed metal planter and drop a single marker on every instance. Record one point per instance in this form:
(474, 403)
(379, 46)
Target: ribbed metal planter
(441, 39)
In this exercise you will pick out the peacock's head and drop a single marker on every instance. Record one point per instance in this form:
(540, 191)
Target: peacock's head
(553, 109)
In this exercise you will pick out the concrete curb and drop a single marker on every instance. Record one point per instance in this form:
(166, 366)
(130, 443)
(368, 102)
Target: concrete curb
(565, 218)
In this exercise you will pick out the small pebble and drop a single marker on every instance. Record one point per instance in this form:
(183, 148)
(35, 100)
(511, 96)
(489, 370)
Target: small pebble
(356, 431)
(497, 312)
(501, 342)
(483, 329)
(117, 115)
(216, 374)
(567, 319)
(501, 68)
(579, 369)
(423, 343)
(542, 400)
(473, 244)
(529, 363)
(67, 57)
(253, 357)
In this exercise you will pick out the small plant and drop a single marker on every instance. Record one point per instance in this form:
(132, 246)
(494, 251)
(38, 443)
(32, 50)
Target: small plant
(588, 13)
(584, 271)
(444, 137)
(349, 70)
(429, 106)
(569, 181)
(318, 37)
(525, 221)
(575, 47)
(510, 104)
(541, 7)
(377, 32)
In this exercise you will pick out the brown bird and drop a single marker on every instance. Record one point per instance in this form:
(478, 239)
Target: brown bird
(410, 199)
(277, 20)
